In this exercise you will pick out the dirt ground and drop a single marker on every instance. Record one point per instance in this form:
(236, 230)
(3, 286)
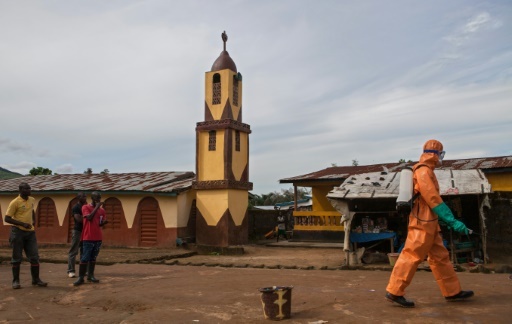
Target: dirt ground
(174, 286)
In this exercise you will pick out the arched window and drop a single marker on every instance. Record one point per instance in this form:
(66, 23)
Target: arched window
(235, 90)
(212, 140)
(216, 89)
(115, 213)
(46, 213)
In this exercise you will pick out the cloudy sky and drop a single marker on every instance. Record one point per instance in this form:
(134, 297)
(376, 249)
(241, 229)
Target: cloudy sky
(119, 85)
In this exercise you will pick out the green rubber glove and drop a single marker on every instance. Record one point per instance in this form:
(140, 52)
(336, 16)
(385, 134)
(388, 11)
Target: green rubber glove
(445, 214)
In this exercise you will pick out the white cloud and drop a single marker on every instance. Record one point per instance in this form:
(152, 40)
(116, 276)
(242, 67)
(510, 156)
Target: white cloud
(119, 85)
(480, 22)
(64, 168)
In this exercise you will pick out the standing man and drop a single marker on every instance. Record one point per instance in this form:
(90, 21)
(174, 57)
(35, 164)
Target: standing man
(94, 218)
(76, 238)
(281, 226)
(423, 237)
(21, 215)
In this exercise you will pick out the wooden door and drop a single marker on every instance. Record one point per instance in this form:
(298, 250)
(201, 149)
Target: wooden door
(115, 215)
(46, 213)
(148, 209)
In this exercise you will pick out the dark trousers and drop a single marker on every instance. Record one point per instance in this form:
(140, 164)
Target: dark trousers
(23, 241)
(76, 245)
(91, 249)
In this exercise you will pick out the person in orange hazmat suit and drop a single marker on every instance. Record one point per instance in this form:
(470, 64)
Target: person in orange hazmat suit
(423, 237)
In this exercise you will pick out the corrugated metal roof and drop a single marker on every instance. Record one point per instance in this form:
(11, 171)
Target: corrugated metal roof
(156, 182)
(380, 185)
(341, 173)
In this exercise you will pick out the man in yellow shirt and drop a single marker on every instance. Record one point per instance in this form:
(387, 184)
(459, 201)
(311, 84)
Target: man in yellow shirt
(20, 214)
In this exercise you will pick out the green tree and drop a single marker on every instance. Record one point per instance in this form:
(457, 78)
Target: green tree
(275, 197)
(88, 171)
(40, 171)
(106, 171)
(355, 162)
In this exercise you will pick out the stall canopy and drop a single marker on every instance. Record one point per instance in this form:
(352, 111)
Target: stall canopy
(386, 184)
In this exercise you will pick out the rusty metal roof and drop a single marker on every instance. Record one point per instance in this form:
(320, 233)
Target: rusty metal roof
(488, 164)
(386, 184)
(154, 182)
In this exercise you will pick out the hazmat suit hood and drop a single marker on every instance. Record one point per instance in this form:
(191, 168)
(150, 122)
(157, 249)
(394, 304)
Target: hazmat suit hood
(431, 159)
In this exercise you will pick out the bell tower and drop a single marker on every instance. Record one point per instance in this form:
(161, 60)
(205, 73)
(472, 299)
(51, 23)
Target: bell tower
(222, 161)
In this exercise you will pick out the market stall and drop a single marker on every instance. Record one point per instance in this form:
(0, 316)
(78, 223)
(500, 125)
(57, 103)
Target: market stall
(366, 200)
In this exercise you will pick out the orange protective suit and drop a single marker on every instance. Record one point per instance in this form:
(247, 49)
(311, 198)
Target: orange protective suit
(423, 236)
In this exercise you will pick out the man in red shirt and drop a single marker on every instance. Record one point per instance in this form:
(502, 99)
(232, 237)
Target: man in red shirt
(94, 219)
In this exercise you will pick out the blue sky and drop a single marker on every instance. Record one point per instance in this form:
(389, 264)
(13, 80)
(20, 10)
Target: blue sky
(119, 85)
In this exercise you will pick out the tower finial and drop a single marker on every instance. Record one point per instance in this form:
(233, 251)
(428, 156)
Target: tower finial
(224, 39)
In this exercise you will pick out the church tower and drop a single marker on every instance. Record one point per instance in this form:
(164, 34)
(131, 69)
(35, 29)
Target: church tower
(222, 161)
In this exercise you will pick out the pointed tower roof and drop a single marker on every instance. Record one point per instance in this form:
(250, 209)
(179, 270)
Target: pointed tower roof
(224, 61)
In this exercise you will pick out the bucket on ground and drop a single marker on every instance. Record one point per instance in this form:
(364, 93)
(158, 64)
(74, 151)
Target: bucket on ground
(392, 258)
(276, 302)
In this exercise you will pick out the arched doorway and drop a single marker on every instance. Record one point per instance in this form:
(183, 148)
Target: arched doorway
(47, 223)
(46, 213)
(116, 231)
(149, 212)
(115, 214)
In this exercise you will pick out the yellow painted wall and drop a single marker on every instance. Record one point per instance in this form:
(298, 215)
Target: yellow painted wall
(184, 201)
(168, 206)
(61, 204)
(4, 203)
(226, 79)
(500, 181)
(238, 201)
(240, 157)
(169, 209)
(210, 163)
(213, 203)
(129, 204)
(320, 202)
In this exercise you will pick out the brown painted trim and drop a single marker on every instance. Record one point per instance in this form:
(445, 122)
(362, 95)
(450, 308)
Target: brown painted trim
(239, 235)
(223, 124)
(224, 234)
(231, 175)
(239, 119)
(245, 174)
(228, 156)
(221, 184)
(198, 176)
(227, 112)
(207, 112)
(212, 235)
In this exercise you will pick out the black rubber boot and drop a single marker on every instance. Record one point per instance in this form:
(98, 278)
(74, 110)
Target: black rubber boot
(464, 294)
(16, 276)
(400, 300)
(81, 274)
(90, 275)
(36, 281)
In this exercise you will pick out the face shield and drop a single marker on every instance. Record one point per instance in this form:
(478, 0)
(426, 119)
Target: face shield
(440, 154)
